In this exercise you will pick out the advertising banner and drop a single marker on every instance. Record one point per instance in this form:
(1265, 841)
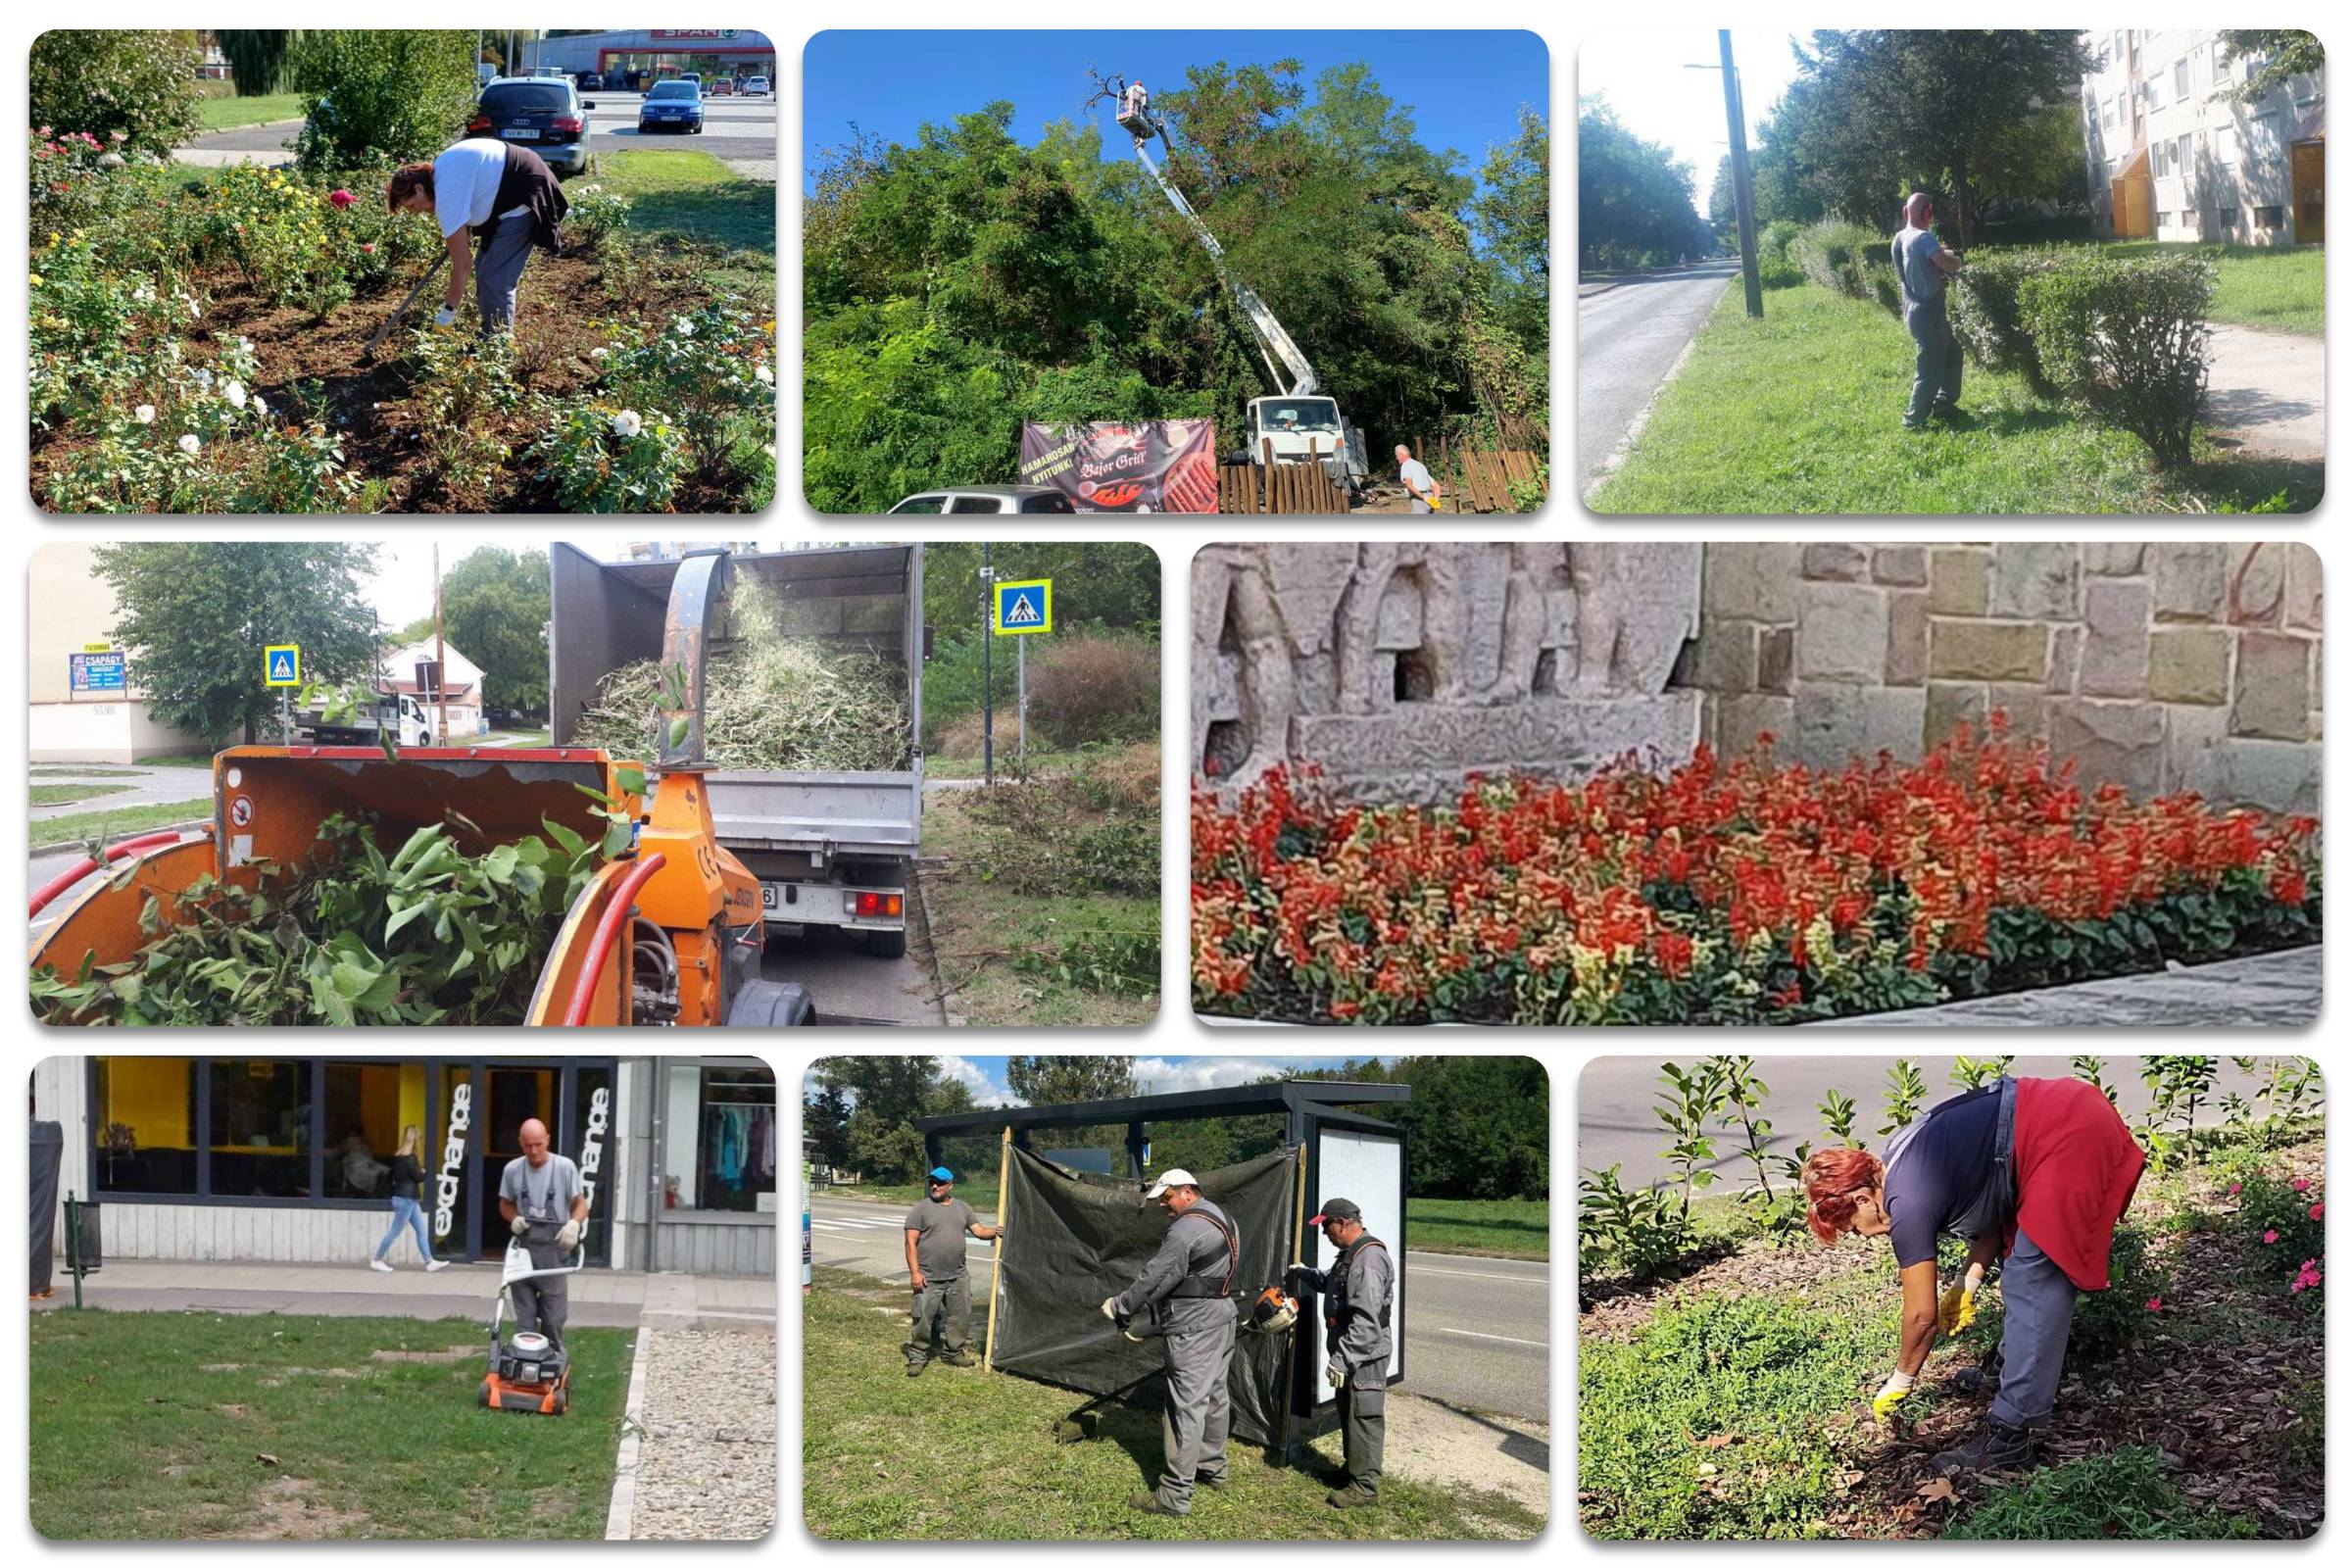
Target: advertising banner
(1157, 465)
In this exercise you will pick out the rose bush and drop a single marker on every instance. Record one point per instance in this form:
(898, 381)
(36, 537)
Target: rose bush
(602, 459)
(712, 368)
(1738, 892)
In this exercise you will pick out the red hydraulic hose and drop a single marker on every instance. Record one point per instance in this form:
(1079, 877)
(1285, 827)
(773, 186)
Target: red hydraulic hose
(607, 931)
(50, 890)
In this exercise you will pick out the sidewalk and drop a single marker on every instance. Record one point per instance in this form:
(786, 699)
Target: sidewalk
(599, 1298)
(2273, 990)
(2268, 391)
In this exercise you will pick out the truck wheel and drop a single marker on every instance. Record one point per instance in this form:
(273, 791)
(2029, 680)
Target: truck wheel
(770, 1005)
(886, 944)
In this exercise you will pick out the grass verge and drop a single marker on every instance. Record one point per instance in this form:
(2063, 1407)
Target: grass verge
(872, 1461)
(2280, 288)
(95, 770)
(1042, 761)
(152, 1426)
(68, 794)
(1510, 1227)
(231, 113)
(1801, 412)
(696, 194)
(51, 831)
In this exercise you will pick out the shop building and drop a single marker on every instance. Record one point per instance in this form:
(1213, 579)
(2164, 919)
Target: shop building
(656, 54)
(281, 1160)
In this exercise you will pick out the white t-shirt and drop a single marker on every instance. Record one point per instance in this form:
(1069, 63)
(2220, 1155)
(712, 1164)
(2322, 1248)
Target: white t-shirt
(465, 182)
(1410, 474)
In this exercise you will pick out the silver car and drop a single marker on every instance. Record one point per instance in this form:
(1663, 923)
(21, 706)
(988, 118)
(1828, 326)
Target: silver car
(987, 498)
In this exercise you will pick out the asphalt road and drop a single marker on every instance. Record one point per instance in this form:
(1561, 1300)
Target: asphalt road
(1477, 1329)
(153, 786)
(738, 129)
(1627, 338)
(851, 985)
(1615, 1097)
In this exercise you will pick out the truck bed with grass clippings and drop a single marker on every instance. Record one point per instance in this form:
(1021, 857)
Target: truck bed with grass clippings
(814, 724)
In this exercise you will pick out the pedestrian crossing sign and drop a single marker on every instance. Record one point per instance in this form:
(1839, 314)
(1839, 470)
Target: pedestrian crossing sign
(282, 665)
(1023, 607)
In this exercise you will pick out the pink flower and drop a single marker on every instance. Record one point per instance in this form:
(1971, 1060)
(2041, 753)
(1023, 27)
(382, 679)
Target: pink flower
(367, 249)
(2315, 1209)
(2235, 1188)
(44, 130)
(2268, 1237)
(2155, 1304)
(341, 198)
(119, 135)
(2300, 1184)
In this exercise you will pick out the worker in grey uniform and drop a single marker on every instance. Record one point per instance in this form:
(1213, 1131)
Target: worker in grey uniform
(1187, 1290)
(936, 1227)
(1359, 1291)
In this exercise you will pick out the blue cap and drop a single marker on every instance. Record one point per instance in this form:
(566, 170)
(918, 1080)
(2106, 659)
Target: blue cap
(941, 1174)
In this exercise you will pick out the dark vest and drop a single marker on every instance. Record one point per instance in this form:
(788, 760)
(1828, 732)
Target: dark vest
(1209, 1284)
(1336, 1285)
(528, 182)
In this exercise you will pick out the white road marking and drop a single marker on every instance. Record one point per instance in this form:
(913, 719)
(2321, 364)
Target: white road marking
(1473, 1334)
(1477, 1274)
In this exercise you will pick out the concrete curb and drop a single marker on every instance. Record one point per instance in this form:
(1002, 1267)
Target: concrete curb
(1585, 293)
(1633, 431)
(622, 1516)
(950, 1011)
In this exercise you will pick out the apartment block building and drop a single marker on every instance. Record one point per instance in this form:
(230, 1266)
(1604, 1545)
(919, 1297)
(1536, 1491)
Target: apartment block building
(2171, 158)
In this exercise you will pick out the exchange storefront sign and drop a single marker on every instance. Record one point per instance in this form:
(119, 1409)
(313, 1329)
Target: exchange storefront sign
(1155, 465)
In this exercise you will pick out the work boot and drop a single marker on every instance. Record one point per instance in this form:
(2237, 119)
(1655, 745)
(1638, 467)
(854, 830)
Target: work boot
(1212, 1483)
(1982, 1379)
(959, 1358)
(1999, 1446)
(1352, 1497)
(1152, 1503)
(914, 1370)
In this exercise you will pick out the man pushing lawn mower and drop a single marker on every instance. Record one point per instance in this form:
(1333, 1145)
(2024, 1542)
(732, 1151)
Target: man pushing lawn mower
(501, 197)
(540, 1197)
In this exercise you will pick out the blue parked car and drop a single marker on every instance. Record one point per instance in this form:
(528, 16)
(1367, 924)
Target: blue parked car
(672, 106)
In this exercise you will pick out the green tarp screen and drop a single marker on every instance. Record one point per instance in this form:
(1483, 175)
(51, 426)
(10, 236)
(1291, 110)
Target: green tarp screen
(1072, 1239)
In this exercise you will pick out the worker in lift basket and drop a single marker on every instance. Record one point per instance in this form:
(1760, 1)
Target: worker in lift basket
(1132, 105)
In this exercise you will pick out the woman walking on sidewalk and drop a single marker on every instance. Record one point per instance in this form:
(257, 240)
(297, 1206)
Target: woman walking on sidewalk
(408, 1187)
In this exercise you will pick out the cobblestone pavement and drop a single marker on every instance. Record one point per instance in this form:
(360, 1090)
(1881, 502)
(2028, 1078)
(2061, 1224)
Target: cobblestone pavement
(760, 168)
(706, 1459)
(2269, 991)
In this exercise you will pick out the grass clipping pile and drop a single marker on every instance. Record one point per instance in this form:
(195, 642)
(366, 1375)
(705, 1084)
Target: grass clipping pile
(770, 701)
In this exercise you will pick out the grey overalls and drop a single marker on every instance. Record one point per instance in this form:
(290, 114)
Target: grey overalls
(1189, 1286)
(1359, 1290)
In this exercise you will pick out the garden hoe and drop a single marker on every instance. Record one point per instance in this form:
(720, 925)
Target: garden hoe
(530, 1371)
(367, 354)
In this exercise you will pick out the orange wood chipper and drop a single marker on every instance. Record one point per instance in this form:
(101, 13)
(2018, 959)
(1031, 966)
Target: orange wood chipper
(668, 932)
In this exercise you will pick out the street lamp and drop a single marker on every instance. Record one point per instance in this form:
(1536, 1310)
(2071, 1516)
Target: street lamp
(1743, 196)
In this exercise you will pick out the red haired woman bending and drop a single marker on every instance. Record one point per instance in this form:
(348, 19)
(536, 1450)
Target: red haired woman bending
(2036, 1170)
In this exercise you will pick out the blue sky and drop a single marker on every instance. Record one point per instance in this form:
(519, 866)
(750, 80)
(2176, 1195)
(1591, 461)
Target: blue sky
(1643, 74)
(1465, 87)
(1153, 1075)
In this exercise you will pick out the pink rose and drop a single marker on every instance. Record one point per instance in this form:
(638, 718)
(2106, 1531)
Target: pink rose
(341, 199)
(367, 249)
(2235, 1188)
(2300, 1184)
(44, 130)
(2268, 1237)
(2155, 1304)
(120, 136)
(2315, 1209)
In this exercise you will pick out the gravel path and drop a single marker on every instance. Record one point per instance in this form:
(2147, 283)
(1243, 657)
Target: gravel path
(706, 1462)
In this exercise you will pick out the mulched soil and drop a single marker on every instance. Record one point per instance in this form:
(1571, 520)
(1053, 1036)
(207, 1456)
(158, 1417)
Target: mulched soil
(558, 298)
(2221, 1414)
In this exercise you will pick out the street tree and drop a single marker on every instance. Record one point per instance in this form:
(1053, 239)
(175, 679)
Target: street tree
(825, 1125)
(2281, 53)
(1635, 203)
(194, 616)
(1722, 202)
(1067, 1080)
(494, 608)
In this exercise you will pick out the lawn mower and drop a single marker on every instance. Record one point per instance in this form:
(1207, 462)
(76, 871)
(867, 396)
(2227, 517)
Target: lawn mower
(530, 1370)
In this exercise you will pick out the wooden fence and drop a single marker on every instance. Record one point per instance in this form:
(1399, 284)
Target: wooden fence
(1479, 481)
(1284, 489)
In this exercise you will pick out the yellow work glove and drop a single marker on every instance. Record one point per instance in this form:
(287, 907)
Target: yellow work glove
(1958, 1308)
(1897, 1389)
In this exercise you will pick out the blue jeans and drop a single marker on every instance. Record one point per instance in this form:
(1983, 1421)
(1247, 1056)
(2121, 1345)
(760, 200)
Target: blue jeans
(411, 1214)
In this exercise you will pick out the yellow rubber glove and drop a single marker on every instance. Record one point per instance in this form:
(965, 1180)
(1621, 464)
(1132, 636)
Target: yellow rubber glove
(1898, 1389)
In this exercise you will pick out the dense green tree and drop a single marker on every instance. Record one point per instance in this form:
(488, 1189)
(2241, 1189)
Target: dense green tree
(261, 58)
(881, 1150)
(825, 1126)
(494, 606)
(1067, 1080)
(1635, 203)
(195, 615)
(139, 81)
(398, 93)
(1475, 1127)
(2284, 53)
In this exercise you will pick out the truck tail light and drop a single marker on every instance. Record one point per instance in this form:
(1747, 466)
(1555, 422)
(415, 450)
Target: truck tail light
(876, 906)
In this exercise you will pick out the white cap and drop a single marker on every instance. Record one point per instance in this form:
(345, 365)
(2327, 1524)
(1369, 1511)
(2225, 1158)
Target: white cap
(1173, 1178)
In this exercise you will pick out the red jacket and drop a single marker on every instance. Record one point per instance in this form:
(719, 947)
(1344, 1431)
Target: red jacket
(2077, 1169)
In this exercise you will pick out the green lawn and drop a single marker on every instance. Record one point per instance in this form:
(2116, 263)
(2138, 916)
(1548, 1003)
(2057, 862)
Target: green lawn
(962, 1454)
(693, 193)
(94, 770)
(1510, 1227)
(1803, 413)
(227, 114)
(2281, 288)
(113, 825)
(154, 1426)
(513, 737)
(68, 794)
(180, 759)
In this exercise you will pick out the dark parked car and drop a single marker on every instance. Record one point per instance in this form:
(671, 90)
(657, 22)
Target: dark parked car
(590, 81)
(671, 106)
(547, 116)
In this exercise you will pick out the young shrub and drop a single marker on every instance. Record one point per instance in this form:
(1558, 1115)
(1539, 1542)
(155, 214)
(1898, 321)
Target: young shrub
(137, 80)
(2123, 1496)
(711, 368)
(2126, 339)
(609, 460)
(595, 216)
(2106, 1321)
(1827, 253)
(1639, 1233)
(1986, 315)
(1878, 282)
(1092, 687)
(372, 94)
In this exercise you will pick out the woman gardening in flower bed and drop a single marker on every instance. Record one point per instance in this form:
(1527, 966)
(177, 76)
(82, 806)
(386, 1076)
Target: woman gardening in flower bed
(2036, 1171)
(1741, 892)
(502, 196)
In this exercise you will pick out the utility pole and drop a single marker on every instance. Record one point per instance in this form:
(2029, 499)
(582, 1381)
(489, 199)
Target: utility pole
(988, 643)
(1743, 193)
(440, 670)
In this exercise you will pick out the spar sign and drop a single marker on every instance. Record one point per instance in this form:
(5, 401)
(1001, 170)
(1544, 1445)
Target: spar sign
(1151, 465)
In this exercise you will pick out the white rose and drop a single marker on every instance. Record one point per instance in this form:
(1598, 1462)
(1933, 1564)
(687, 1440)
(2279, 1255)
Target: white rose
(204, 378)
(767, 378)
(626, 422)
(685, 328)
(189, 444)
(598, 354)
(261, 410)
(144, 414)
(235, 393)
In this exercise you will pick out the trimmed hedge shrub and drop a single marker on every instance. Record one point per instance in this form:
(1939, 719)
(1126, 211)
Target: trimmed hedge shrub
(1986, 315)
(1881, 283)
(2126, 339)
(1831, 252)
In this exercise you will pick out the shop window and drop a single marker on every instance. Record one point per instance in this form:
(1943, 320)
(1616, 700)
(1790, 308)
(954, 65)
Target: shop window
(260, 1129)
(721, 1139)
(143, 1121)
(370, 1108)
